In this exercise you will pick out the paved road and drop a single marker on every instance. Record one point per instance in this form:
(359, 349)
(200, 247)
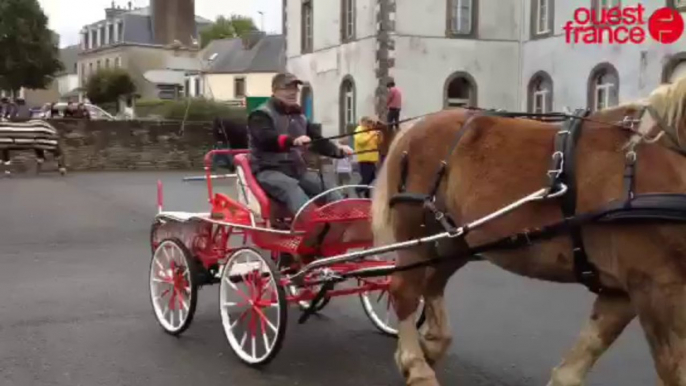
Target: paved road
(74, 307)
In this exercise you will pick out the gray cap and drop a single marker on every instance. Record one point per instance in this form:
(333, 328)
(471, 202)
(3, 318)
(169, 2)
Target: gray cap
(284, 79)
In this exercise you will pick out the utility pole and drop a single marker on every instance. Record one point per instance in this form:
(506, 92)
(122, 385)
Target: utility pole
(261, 20)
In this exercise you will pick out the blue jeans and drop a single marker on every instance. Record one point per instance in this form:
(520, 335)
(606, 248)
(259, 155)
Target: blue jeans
(294, 192)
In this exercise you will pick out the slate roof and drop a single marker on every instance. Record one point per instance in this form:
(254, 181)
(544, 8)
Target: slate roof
(268, 55)
(138, 27)
(69, 56)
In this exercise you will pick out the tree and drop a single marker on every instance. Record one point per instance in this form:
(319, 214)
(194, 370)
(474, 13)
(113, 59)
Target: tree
(107, 85)
(223, 28)
(29, 54)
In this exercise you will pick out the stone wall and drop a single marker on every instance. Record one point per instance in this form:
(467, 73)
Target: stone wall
(127, 145)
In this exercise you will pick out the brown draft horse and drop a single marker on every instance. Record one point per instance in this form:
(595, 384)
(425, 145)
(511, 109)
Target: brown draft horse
(498, 161)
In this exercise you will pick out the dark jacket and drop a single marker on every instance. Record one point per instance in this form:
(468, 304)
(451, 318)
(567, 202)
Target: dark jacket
(272, 128)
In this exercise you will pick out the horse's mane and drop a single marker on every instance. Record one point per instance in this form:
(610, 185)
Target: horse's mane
(668, 101)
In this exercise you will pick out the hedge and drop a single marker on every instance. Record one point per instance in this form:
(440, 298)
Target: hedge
(199, 110)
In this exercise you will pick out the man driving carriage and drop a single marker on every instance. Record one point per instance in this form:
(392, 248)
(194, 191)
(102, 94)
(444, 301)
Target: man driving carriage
(278, 132)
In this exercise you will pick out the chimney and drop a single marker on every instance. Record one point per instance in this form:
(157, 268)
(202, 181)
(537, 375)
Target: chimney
(173, 20)
(251, 39)
(129, 5)
(113, 11)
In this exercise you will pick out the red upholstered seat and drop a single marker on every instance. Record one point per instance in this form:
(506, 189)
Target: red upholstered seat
(269, 209)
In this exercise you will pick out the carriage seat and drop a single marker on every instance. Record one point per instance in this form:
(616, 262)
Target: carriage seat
(251, 194)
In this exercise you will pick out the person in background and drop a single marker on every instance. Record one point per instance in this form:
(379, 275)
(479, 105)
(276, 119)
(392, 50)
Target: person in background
(4, 108)
(22, 112)
(343, 166)
(82, 112)
(394, 105)
(366, 147)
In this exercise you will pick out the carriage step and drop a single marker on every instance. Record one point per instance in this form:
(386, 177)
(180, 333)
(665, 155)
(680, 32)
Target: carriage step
(312, 309)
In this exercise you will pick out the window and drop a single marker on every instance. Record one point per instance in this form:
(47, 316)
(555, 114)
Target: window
(678, 4)
(120, 38)
(542, 25)
(307, 26)
(540, 93)
(197, 87)
(674, 68)
(187, 87)
(347, 100)
(542, 18)
(117, 62)
(239, 87)
(606, 4)
(459, 91)
(347, 20)
(107, 63)
(306, 101)
(460, 17)
(603, 87)
(98, 65)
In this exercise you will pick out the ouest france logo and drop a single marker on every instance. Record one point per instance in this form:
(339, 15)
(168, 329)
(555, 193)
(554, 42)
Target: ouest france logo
(624, 25)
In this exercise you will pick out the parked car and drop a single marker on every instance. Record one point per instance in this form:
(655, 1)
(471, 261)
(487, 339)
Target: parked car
(95, 112)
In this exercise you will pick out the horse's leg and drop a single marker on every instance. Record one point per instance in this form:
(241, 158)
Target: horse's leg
(661, 311)
(436, 335)
(6, 161)
(611, 314)
(59, 157)
(405, 291)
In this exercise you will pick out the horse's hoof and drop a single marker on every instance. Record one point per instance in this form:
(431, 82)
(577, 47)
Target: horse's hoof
(63, 171)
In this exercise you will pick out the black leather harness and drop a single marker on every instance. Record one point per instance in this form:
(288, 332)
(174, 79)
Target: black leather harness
(645, 207)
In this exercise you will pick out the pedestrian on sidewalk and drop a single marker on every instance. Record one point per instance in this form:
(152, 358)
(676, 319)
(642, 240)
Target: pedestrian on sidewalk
(367, 149)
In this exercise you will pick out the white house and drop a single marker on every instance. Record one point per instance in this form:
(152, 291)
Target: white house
(508, 54)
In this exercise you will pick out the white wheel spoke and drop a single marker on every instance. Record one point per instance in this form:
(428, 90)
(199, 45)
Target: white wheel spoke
(230, 283)
(272, 326)
(159, 264)
(245, 336)
(266, 341)
(254, 348)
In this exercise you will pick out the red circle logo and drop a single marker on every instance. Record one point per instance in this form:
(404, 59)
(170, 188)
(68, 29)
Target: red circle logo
(666, 25)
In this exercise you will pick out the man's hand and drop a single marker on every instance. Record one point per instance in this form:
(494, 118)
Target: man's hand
(302, 140)
(347, 150)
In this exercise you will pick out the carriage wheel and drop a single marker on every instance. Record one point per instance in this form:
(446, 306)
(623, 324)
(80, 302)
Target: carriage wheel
(173, 288)
(377, 305)
(253, 307)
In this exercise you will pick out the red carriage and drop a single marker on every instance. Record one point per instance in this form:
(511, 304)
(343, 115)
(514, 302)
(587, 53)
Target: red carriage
(242, 244)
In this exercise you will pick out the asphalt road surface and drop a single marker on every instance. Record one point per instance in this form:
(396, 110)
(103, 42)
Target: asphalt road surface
(75, 309)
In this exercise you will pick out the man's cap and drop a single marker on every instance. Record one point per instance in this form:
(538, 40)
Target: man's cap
(284, 79)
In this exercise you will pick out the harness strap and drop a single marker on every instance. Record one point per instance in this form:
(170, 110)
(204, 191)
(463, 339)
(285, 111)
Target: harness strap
(403, 172)
(629, 177)
(565, 161)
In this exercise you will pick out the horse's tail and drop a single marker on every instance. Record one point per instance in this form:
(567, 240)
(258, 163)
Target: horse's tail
(382, 217)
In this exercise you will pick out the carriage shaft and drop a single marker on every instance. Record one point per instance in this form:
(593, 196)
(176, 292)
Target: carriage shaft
(541, 194)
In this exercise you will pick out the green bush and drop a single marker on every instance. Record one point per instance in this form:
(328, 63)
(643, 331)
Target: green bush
(199, 110)
(108, 84)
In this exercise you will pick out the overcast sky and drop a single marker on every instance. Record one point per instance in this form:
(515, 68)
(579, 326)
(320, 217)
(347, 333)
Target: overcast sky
(68, 17)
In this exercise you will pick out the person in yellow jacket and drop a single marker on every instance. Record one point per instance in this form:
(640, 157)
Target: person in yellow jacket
(366, 145)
